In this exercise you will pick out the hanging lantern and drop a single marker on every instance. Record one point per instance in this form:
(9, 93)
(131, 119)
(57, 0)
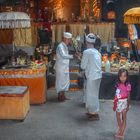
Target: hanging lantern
(111, 15)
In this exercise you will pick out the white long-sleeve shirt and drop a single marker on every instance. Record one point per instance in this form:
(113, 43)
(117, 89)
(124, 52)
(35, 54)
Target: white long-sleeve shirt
(62, 68)
(62, 52)
(92, 64)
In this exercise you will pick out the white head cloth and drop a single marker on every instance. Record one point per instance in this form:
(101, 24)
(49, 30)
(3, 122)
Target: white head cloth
(91, 38)
(67, 35)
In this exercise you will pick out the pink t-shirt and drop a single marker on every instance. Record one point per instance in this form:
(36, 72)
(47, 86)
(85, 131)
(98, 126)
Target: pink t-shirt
(123, 90)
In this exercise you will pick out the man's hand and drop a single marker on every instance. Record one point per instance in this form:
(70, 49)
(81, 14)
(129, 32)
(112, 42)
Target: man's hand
(78, 55)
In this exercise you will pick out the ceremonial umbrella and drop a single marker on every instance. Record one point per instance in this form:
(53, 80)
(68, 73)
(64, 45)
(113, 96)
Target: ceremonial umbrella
(132, 16)
(14, 20)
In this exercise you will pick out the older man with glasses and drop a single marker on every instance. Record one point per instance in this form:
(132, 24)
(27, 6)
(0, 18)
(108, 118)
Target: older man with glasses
(62, 67)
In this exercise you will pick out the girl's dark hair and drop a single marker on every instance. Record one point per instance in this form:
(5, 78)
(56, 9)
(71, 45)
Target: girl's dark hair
(120, 73)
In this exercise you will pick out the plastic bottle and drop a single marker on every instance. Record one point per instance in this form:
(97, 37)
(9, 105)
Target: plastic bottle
(107, 66)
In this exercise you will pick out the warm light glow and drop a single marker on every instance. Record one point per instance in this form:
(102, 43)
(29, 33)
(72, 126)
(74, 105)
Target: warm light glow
(105, 58)
(91, 8)
(111, 15)
(59, 4)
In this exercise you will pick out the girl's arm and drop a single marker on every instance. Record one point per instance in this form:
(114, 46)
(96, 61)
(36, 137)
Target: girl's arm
(128, 101)
(129, 92)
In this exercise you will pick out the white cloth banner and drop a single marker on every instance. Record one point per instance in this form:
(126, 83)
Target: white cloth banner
(14, 20)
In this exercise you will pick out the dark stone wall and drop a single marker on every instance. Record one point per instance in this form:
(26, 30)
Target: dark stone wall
(121, 6)
(10, 2)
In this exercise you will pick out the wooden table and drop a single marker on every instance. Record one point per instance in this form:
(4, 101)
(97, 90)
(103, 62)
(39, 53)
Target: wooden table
(14, 102)
(35, 79)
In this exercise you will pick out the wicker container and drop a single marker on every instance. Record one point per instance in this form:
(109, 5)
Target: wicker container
(14, 102)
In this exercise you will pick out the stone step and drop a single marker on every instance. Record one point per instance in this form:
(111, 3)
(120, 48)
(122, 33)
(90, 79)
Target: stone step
(74, 68)
(73, 87)
(74, 84)
(74, 76)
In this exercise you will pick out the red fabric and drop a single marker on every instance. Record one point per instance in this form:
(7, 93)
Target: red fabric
(115, 104)
(48, 26)
(116, 101)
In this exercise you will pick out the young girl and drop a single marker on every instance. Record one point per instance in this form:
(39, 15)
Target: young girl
(122, 101)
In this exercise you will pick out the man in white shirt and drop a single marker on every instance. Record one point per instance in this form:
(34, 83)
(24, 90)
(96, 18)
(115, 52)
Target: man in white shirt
(92, 64)
(62, 67)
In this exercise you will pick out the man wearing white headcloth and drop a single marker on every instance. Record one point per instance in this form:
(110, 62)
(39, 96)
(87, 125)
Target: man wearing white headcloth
(62, 67)
(92, 64)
